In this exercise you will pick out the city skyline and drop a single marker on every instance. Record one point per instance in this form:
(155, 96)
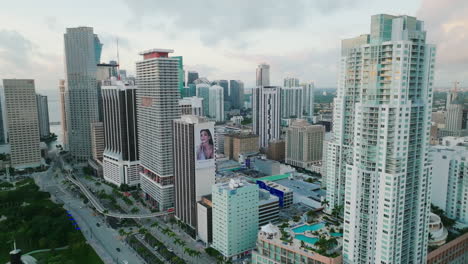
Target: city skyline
(219, 54)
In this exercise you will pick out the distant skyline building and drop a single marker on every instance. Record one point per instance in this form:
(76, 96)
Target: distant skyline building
(304, 143)
(291, 82)
(191, 106)
(63, 113)
(82, 54)
(194, 165)
(121, 160)
(157, 105)
(291, 102)
(236, 94)
(263, 75)
(203, 91)
(308, 102)
(191, 77)
(266, 105)
(3, 125)
(216, 103)
(225, 85)
(378, 169)
(235, 217)
(23, 124)
(43, 115)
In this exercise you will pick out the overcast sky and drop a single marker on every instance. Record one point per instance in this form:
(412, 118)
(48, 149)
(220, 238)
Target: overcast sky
(221, 39)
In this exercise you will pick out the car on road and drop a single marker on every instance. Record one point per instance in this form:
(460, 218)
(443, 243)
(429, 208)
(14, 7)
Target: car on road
(118, 249)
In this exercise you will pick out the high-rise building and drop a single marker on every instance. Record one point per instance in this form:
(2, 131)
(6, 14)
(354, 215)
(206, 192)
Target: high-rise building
(216, 103)
(194, 165)
(450, 178)
(308, 102)
(235, 217)
(120, 164)
(291, 102)
(291, 82)
(43, 115)
(263, 75)
(181, 72)
(157, 105)
(456, 115)
(3, 126)
(304, 143)
(82, 54)
(191, 106)
(97, 140)
(191, 77)
(63, 112)
(266, 105)
(225, 85)
(378, 168)
(23, 124)
(236, 95)
(203, 91)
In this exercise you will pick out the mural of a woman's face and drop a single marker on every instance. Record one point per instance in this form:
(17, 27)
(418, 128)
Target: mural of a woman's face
(204, 137)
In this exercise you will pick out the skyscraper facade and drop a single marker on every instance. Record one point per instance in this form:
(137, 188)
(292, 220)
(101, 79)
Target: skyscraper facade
(378, 168)
(97, 140)
(194, 165)
(63, 113)
(120, 164)
(157, 105)
(266, 105)
(291, 102)
(236, 96)
(216, 103)
(203, 91)
(23, 124)
(3, 130)
(308, 100)
(43, 115)
(225, 85)
(290, 82)
(82, 54)
(191, 77)
(263, 75)
(191, 106)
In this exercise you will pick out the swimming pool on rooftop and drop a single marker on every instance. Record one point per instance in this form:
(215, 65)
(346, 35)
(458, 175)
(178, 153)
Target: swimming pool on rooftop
(308, 240)
(303, 228)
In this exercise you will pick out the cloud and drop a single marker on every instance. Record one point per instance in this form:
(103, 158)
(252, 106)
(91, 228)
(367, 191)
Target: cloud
(15, 50)
(447, 27)
(230, 20)
(21, 58)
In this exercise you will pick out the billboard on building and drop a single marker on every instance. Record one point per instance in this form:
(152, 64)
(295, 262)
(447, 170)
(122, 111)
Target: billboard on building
(204, 145)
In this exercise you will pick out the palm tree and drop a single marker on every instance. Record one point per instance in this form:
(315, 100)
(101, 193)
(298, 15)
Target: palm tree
(177, 241)
(325, 203)
(171, 234)
(155, 224)
(166, 231)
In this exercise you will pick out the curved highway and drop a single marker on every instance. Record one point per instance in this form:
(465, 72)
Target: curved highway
(102, 210)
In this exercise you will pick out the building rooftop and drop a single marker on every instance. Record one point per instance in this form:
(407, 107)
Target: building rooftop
(241, 135)
(277, 186)
(273, 178)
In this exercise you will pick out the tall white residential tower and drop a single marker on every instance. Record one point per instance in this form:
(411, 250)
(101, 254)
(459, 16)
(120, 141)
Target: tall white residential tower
(378, 167)
(157, 105)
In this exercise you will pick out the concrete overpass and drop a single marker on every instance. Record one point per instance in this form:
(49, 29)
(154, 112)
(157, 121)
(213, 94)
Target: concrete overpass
(95, 202)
